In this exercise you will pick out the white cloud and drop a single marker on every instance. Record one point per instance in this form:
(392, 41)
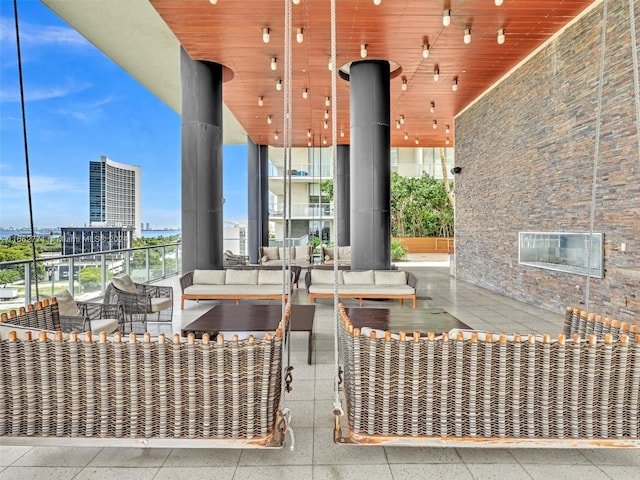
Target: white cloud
(33, 94)
(16, 185)
(41, 35)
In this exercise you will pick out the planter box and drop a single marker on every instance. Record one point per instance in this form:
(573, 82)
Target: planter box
(427, 244)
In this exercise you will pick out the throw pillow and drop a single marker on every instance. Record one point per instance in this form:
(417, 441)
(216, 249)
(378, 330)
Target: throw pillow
(302, 253)
(125, 284)
(66, 304)
(271, 253)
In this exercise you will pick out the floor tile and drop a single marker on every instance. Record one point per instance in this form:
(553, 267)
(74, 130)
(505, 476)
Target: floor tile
(202, 457)
(488, 471)
(39, 473)
(554, 456)
(325, 452)
(565, 472)
(352, 472)
(422, 455)
(279, 472)
(302, 453)
(57, 457)
(486, 455)
(439, 471)
(121, 473)
(130, 457)
(8, 455)
(188, 473)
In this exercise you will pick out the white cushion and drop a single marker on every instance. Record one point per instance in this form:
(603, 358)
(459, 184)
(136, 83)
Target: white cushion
(209, 277)
(325, 276)
(303, 253)
(270, 277)
(108, 325)
(264, 258)
(125, 284)
(344, 253)
(157, 304)
(270, 252)
(241, 277)
(328, 253)
(383, 277)
(360, 278)
(66, 304)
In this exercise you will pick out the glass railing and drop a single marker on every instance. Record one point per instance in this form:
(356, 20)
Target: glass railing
(303, 170)
(85, 276)
(301, 210)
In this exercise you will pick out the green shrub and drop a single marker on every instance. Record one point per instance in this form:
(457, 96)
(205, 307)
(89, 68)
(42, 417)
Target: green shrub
(398, 250)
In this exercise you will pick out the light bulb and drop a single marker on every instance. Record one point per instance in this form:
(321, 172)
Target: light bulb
(305, 93)
(406, 135)
(446, 140)
(327, 101)
(324, 140)
(309, 143)
(436, 75)
(498, 3)
(435, 124)
(341, 133)
(275, 135)
(330, 64)
(402, 119)
(501, 36)
(363, 50)
(309, 133)
(432, 109)
(326, 114)
(454, 85)
(404, 84)
(325, 125)
(296, 2)
(425, 50)
(269, 119)
(446, 18)
(398, 124)
(447, 129)
(265, 34)
(260, 101)
(417, 140)
(300, 35)
(274, 63)
(278, 84)
(377, 2)
(467, 36)
(213, 2)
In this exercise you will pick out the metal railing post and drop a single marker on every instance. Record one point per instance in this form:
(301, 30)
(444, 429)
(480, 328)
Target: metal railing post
(27, 283)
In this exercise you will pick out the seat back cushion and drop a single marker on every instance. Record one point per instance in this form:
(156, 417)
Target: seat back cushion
(325, 277)
(125, 284)
(303, 253)
(66, 304)
(358, 278)
(384, 277)
(344, 253)
(281, 252)
(271, 253)
(241, 277)
(271, 277)
(209, 277)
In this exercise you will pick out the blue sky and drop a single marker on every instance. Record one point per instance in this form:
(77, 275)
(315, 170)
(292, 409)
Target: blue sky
(81, 105)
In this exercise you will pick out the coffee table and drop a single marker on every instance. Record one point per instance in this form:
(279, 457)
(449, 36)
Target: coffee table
(424, 320)
(249, 317)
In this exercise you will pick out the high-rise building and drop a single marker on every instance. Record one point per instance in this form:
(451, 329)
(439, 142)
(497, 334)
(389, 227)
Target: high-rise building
(114, 194)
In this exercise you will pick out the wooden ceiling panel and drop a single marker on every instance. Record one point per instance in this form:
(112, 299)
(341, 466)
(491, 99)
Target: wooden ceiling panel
(230, 33)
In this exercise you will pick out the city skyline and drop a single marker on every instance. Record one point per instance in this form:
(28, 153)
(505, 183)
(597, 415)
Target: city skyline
(80, 106)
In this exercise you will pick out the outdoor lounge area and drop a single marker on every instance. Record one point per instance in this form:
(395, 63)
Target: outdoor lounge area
(315, 455)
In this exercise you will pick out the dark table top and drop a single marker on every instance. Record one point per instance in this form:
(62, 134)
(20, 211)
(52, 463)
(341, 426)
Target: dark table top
(425, 320)
(250, 317)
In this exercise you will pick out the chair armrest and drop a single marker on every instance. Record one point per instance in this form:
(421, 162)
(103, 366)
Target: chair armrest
(74, 323)
(134, 302)
(154, 291)
(95, 310)
(186, 280)
(307, 278)
(412, 280)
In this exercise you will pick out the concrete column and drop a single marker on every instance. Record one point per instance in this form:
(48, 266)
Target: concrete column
(258, 198)
(370, 165)
(341, 191)
(202, 215)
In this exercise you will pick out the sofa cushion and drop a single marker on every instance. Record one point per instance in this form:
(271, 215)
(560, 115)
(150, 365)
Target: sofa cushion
(270, 277)
(303, 253)
(384, 277)
(327, 253)
(319, 276)
(209, 277)
(66, 304)
(158, 304)
(264, 258)
(271, 253)
(360, 278)
(241, 277)
(344, 253)
(124, 283)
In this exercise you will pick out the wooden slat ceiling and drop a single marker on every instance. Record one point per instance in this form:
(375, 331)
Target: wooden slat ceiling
(230, 33)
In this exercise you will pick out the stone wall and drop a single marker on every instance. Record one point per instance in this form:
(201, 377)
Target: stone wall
(527, 153)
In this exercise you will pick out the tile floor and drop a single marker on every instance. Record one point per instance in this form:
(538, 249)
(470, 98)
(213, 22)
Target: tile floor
(315, 456)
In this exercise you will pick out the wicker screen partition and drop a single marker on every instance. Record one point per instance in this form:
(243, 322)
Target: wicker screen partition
(142, 392)
(492, 390)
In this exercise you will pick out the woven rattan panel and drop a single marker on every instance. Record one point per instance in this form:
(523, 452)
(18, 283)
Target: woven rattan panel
(442, 387)
(68, 388)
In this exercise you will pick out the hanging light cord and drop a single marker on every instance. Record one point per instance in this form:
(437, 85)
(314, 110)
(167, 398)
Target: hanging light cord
(26, 152)
(596, 155)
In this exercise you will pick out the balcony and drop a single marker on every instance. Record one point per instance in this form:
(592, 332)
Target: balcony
(303, 172)
(301, 211)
